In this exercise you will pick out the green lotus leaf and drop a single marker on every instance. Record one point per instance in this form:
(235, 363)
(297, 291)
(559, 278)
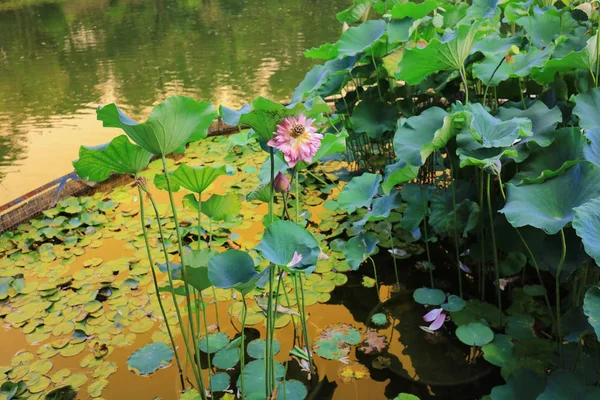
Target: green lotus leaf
(217, 207)
(150, 358)
(359, 192)
(475, 334)
(543, 121)
(574, 325)
(431, 297)
(255, 376)
(547, 162)
(587, 108)
(476, 310)
(331, 144)
(543, 26)
(450, 53)
(360, 38)
(494, 43)
(413, 10)
(173, 123)
(256, 348)
(548, 205)
(226, 358)
(335, 340)
(587, 225)
(443, 216)
(263, 115)
(291, 390)
(379, 319)
(568, 385)
(261, 193)
(382, 206)
(522, 384)
(454, 303)
(491, 132)
(356, 12)
(512, 264)
(519, 66)
(120, 156)
(488, 9)
(591, 149)
(196, 268)
(399, 31)
(584, 59)
(411, 138)
(284, 238)
(324, 80)
(499, 350)
(398, 173)
(374, 118)
(520, 327)
(326, 51)
(233, 269)
(214, 342)
(591, 308)
(405, 396)
(417, 202)
(219, 381)
(359, 248)
(194, 179)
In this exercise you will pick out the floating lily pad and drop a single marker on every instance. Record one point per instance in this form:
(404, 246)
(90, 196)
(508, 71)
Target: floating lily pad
(334, 341)
(215, 342)
(256, 348)
(291, 390)
(379, 319)
(226, 358)
(426, 296)
(150, 358)
(475, 334)
(254, 377)
(353, 372)
(219, 381)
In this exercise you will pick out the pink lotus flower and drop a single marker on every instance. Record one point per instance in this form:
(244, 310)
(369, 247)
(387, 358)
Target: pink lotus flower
(281, 183)
(297, 139)
(437, 317)
(295, 259)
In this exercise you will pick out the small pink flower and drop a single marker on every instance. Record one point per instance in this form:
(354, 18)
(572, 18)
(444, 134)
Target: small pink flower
(345, 27)
(295, 259)
(437, 318)
(281, 183)
(297, 139)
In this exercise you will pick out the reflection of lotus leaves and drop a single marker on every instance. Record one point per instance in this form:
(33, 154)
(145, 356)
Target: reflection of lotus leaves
(351, 372)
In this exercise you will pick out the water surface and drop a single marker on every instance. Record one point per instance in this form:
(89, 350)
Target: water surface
(60, 59)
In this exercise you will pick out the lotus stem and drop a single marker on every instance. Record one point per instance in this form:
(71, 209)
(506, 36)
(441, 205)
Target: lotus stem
(376, 279)
(424, 202)
(494, 251)
(195, 362)
(209, 232)
(376, 71)
(456, 247)
(297, 195)
(272, 184)
(481, 240)
(302, 310)
(465, 83)
(181, 255)
(521, 93)
(597, 52)
(394, 258)
(243, 345)
(563, 255)
(269, 365)
(316, 177)
(492, 77)
(156, 288)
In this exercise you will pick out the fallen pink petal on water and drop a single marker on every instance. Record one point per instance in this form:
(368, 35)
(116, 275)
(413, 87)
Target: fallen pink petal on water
(439, 321)
(432, 315)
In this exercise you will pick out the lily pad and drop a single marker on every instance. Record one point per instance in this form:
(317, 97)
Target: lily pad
(475, 334)
(256, 348)
(150, 358)
(426, 296)
(215, 342)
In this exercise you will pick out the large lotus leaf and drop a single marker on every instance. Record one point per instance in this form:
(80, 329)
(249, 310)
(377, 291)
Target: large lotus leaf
(495, 43)
(522, 384)
(417, 202)
(263, 115)
(265, 169)
(291, 390)
(430, 297)
(217, 207)
(173, 123)
(475, 334)
(499, 350)
(219, 381)
(359, 248)
(568, 385)
(374, 118)
(359, 192)
(490, 131)
(584, 59)
(591, 308)
(233, 269)
(549, 205)
(475, 311)
(587, 108)
(415, 133)
(326, 51)
(449, 53)
(520, 65)
(255, 376)
(194, 179)
(150, 358)
(382, 206)
(543, 121)
(547, 162)
(355, 12)
(120, 156)
(543, 26)
(397, 173)
(358, 39)
(196, 268)
(442, 215)
(413, 10)
(587, 225)
(471, 153)
(284, 238)
(400, 31)
(488, 9)
(324, 80)
(591, 150)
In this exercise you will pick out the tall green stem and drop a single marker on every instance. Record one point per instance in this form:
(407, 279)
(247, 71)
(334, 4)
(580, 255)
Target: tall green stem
(243, 345)
(302, 311)
(297, 195)
(181, 256)
(376, 279)
(597, 51)
(561, 262)
(465, 83)
(424, 203)
(482, 268)
(490, 80)
(156, 288)
(394, 258)
(494, 251)
(456, 247)
(195, 362)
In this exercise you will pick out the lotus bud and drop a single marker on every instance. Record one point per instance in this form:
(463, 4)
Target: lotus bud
(281, 183)
(493, 168)
(387, 18)
(142, 183)
(345, 27)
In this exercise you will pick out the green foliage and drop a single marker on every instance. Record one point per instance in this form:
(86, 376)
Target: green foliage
(150, 358)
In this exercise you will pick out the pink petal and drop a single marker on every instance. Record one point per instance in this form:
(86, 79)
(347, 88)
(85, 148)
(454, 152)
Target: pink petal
(432, 315)
(465, 268)
(439, 321)
(295, 259)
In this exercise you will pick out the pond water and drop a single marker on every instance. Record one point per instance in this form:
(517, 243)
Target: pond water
(60, 59)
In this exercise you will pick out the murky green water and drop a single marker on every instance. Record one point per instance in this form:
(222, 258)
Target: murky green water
(60, 59)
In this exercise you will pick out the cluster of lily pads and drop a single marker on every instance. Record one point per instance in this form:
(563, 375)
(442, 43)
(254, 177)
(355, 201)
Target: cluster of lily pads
(493, 110)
